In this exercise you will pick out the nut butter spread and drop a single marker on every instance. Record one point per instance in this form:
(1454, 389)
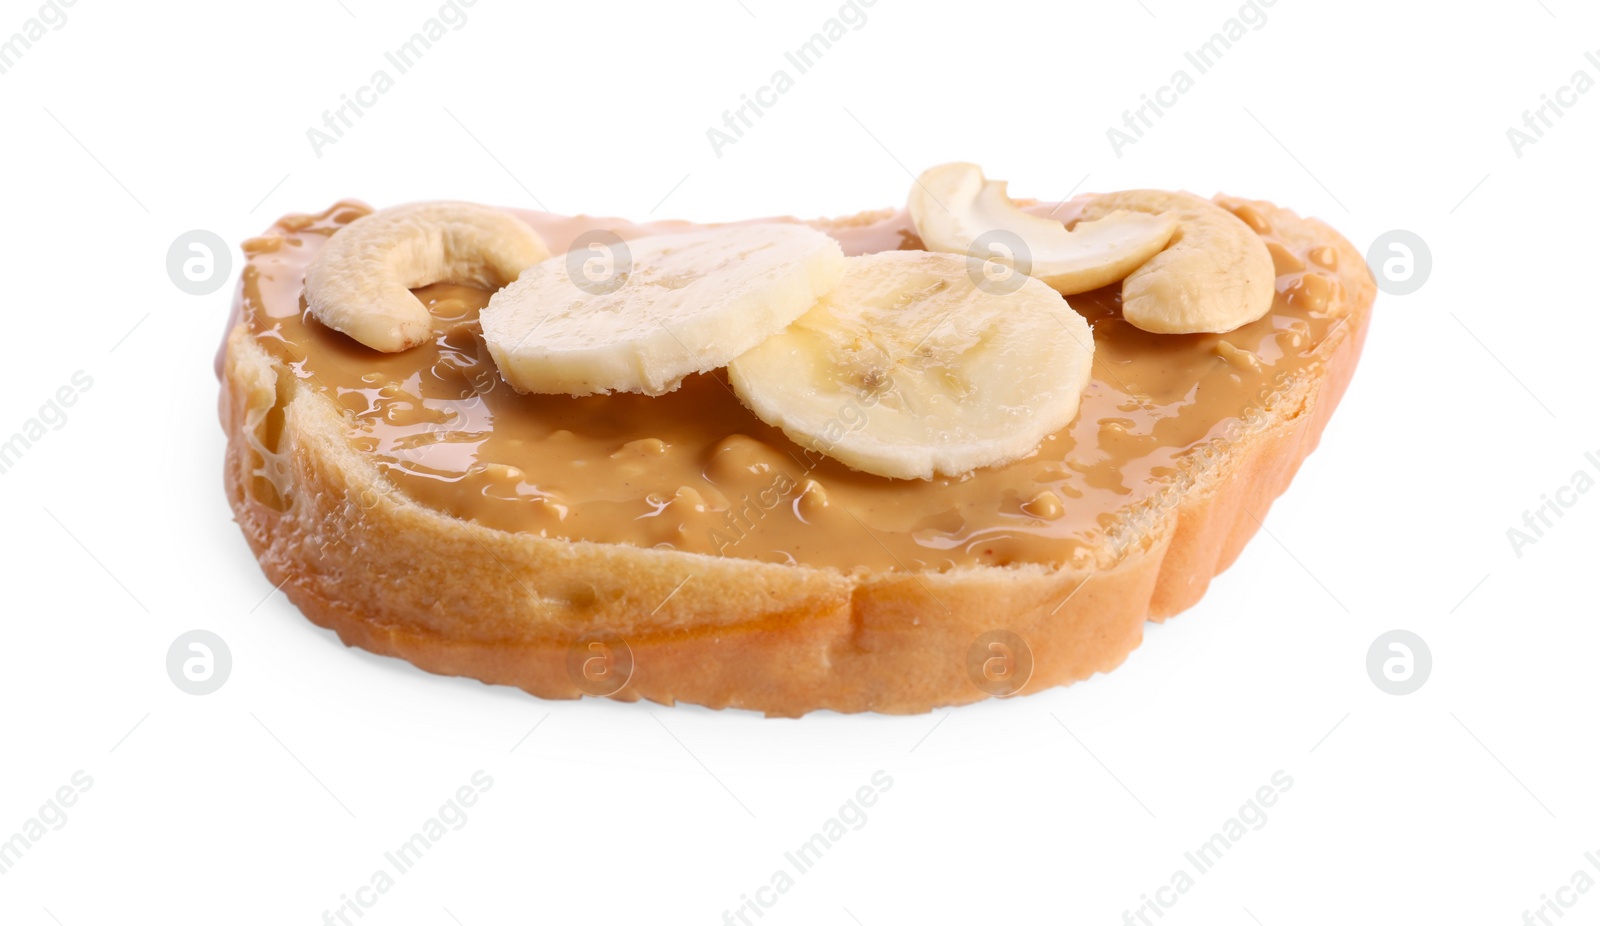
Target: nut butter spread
(694, 470)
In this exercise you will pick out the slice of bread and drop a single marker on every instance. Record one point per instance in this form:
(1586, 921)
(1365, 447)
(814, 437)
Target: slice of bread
(455, 597)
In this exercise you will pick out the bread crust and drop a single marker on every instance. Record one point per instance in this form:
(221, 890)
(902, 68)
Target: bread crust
(457, 598)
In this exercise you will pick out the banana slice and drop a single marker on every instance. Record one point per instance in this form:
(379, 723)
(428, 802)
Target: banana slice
(956, 210)
(1214, 276)
(360, 282)
(914, 365)
(671, 305)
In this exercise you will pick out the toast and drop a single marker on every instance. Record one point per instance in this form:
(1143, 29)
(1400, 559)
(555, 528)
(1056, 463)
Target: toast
(381, 553)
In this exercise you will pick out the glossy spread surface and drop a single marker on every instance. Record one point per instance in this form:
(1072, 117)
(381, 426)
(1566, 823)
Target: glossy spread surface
(695, 471)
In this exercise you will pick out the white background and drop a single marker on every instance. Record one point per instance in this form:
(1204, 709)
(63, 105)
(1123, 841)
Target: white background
(268, 800)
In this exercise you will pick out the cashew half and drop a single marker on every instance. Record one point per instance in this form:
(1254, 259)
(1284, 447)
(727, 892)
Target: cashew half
(360, 282)
(1215, 275)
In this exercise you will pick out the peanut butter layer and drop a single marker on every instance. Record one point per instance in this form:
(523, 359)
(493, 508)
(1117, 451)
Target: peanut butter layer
(695, 471)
